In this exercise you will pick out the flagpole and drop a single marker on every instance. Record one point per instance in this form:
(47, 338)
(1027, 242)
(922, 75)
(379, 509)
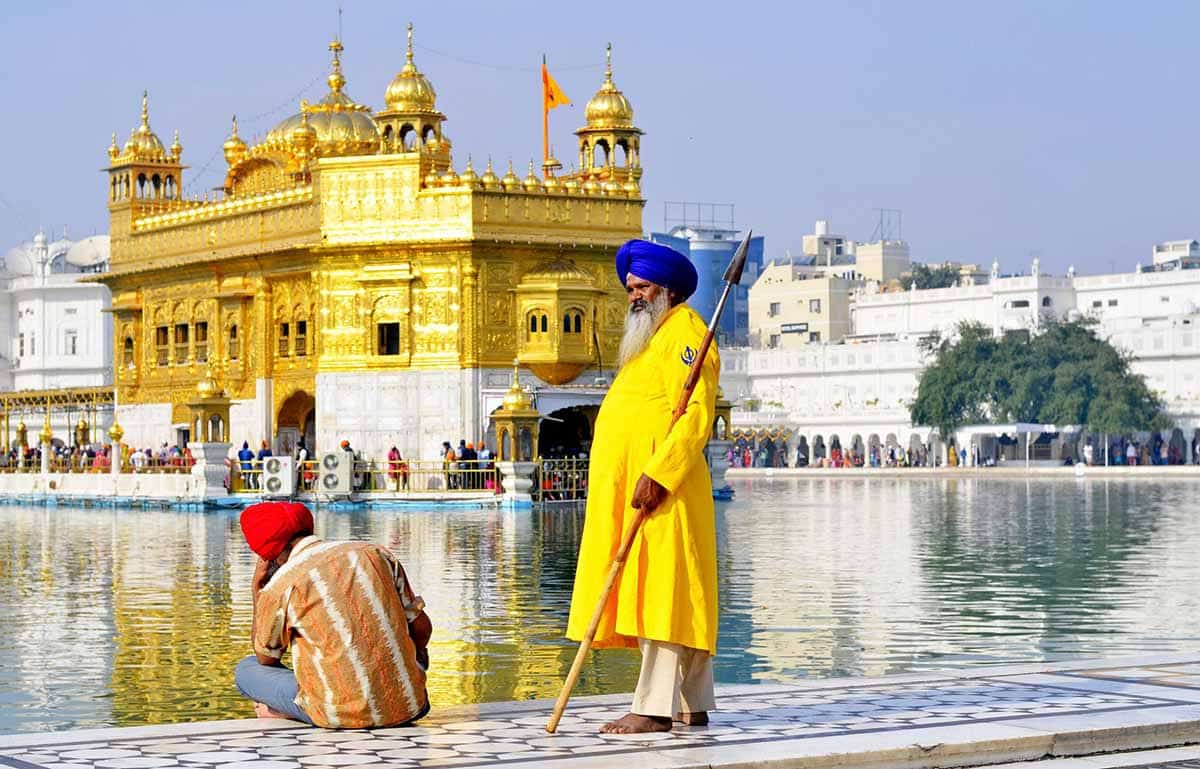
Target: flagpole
(545, 117)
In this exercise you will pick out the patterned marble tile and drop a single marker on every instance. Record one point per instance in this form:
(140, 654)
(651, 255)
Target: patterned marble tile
(516, 735)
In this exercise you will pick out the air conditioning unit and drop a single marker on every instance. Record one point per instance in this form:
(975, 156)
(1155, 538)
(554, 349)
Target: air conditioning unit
(337, 468)
(278, 477)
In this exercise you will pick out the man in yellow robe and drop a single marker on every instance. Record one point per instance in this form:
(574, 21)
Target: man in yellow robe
(665, 602)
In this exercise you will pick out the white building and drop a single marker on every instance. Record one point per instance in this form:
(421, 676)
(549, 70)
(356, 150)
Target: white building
(55, 329)
(863, 385)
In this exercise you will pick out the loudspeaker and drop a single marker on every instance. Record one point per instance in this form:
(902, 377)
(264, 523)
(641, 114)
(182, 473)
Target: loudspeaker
(337, 467)
(279, 477)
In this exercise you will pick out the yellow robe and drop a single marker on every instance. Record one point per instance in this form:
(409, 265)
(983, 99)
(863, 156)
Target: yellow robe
(668, 588)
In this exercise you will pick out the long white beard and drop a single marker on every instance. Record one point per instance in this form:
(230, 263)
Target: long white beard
(640, 326)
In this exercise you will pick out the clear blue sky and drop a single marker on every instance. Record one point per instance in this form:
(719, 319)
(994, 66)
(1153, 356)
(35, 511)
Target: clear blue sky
(1065, 129)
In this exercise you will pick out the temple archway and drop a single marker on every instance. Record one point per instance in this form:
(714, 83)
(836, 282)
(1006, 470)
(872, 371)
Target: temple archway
(567, 432)
(296, 418)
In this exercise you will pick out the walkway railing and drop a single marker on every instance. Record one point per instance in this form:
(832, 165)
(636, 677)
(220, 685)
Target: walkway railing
(370, 476)
(560, 480)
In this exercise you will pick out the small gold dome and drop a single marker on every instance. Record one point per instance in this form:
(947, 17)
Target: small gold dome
(113, 150)
(531, 183)
(208, 387)
(517, 398)
(469, 177)
(632, 189)
(449, 179)
(611, 187)
(142, 141)
(116, 433)
(342, 126)
(553, 185)
(510, 181)
(432, 178)
(234, 147)
(609, 108)
(591, 187)
(410, 91)
(489, 179)
(304, 137)
(176, 147)
(570, 186)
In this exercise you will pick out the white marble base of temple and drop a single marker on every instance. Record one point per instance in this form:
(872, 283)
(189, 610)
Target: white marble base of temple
(516, 478)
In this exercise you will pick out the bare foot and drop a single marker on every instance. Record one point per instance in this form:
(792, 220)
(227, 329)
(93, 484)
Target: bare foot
(699, 718)
(262, 711)
(632, 723)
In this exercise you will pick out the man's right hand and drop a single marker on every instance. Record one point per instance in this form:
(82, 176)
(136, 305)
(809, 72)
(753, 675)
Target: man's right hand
(262, 574)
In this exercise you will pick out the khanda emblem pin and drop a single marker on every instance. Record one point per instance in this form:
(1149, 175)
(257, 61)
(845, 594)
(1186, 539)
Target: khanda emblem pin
(688, 356)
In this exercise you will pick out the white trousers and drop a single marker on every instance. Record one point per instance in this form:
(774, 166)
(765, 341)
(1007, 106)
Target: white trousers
(674, 679)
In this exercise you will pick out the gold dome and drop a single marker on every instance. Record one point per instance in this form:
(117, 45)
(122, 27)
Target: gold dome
(517, 398)
(570, 186)
(632, 189)
(609, 108)
(552, 184)
(489, 180)
(531, 183)
(208, 387)
(449, 179)
(176, 147)
(510, 180)
(113, 150)
(235, 148)
(469, 177)
(410, 91)
(560, 272)
(611, 187)
(142, 141)
(342, 126)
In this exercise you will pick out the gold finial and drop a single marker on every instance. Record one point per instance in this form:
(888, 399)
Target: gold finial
(176, 147)
(336, 80)
(234, 134)
(409, 56)
(608, 62)
(145, 111)
(113, 149)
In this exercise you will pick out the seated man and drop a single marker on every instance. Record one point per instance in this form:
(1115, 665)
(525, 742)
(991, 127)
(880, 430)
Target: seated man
(358, 634)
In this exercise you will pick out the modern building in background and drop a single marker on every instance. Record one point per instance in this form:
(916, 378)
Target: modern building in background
(709, 241)
(806, 300)
(860, 387)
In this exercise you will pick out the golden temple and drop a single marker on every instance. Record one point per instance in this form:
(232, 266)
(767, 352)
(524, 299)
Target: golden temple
(348, 281)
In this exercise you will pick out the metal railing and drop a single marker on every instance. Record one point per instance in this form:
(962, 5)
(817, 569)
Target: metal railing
(371, 476)
(99, 463)
(560, 480)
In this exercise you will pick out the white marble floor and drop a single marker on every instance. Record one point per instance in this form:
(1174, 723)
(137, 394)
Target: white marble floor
(952, 719)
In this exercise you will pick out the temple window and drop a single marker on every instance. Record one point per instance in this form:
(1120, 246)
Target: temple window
(533, 324)
(127, 352)
(202, 342)
(389, 338)
(544, 325)
(301, 338)
(578, 323)
(162, 344)
(233, 342)
(20, 345)
(567, 323)
(284, 338)
(181, 342)
(70, 342)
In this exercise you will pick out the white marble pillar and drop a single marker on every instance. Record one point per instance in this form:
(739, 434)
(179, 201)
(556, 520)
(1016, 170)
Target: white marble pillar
(210, 466)
(517, 480)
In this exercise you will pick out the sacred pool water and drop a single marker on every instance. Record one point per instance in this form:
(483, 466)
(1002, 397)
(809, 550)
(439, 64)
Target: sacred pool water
(134, 617)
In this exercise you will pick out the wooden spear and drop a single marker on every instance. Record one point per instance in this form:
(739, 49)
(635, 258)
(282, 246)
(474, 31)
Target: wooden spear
(733, 276)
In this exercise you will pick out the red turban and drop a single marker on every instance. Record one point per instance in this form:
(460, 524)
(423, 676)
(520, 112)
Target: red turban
(269, 526)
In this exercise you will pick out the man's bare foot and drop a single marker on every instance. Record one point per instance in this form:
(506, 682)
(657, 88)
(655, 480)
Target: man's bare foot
(262, 711)
(632, 723)
(699, 718)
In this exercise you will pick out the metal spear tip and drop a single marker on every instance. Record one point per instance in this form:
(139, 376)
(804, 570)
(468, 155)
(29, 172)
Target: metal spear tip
(733, 274)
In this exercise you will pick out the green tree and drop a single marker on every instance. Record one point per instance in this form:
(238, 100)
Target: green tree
(924, 276)
(1062, 374)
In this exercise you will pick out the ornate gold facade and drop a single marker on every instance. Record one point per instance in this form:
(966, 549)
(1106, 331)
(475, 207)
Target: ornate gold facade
(346, 241)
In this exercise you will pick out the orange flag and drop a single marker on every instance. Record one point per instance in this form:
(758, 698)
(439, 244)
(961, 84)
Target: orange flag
(552, 95)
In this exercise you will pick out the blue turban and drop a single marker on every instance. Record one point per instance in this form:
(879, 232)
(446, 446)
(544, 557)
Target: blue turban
(658, 264)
